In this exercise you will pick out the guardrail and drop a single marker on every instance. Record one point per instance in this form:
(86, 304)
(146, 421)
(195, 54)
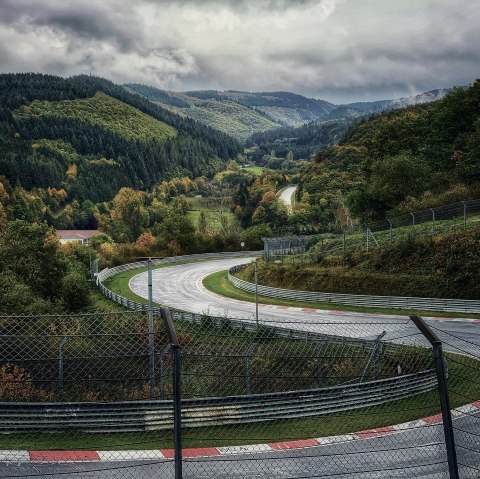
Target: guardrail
(396, 302)
(135, 416)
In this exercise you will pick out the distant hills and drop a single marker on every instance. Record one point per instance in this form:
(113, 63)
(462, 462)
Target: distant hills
(90, 137)
(243, 114)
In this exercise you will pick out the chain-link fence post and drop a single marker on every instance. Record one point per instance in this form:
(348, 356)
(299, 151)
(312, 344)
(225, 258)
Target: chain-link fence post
(177, 391)
(163, 352)
(433, 220)
(151, 333)
(433, 339)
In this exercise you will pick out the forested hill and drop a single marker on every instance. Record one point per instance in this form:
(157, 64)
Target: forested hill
(239, 114)
(91, 137)
(399, 161)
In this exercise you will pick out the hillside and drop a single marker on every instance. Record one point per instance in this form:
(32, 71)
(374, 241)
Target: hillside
(246, 116)
(398, 161)
(444, 266)
(303, 141)
(104, 111)
(239, 114)
(91, 137)
(222, 113)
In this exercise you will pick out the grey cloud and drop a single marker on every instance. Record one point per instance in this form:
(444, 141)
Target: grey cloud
(87, 20)
(344, 49)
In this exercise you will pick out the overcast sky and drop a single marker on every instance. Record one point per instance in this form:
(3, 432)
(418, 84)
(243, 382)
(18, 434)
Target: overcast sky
(338, 50)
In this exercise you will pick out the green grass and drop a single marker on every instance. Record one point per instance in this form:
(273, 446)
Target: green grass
(258, 170)
(218, 283)
(213, 223)
(104, 111)
(422, 405)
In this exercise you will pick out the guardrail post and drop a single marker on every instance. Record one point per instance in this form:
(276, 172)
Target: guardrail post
(177, 391)
(319, 373)
(247, 354)
(433, 339)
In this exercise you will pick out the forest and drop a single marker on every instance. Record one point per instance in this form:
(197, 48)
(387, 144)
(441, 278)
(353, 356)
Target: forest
(71, 134)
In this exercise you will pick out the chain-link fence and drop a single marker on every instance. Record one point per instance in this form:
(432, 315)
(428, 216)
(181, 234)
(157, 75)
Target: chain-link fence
(100, 395)
(428, 222)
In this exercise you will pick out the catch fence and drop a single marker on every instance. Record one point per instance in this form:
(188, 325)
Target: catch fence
(429, 222)
(176, 394)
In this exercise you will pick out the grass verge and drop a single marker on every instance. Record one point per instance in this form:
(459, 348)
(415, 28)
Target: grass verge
(218, 283)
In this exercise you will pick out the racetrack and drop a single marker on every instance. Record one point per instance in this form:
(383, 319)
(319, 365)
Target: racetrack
(181, 287)
(416, 452)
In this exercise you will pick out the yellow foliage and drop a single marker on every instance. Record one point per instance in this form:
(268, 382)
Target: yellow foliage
(72, 170)
(269, 196)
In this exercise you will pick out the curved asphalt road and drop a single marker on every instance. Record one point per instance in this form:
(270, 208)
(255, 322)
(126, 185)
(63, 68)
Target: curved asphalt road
(417, 452)
(286, 196)
(181, 287)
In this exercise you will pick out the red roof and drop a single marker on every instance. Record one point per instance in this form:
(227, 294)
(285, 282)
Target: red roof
(79, 233)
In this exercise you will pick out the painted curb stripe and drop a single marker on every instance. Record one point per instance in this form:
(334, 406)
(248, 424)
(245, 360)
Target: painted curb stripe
(433, 419)
(14, 456)
(294, 444)
(245, 449)
(129, 455)
(64, 456)
(194, 452)
(380, 431)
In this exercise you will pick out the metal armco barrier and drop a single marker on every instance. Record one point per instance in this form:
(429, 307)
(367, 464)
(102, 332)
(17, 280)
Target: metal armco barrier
(428, 304)
(138, 416)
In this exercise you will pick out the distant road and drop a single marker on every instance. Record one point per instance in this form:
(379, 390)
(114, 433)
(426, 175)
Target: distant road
(286, 196)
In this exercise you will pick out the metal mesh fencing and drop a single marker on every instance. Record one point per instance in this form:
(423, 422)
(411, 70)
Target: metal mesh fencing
(75, 397)
(350, 398)
(462, 356)
(424, 223)
(298, 392)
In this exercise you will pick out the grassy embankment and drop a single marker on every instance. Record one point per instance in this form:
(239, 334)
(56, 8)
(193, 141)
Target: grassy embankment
(443, 266)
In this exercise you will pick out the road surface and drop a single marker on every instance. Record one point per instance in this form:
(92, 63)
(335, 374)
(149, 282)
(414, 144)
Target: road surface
(286, 196)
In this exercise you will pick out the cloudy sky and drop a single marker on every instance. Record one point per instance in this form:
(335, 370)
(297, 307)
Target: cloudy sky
(339, 50)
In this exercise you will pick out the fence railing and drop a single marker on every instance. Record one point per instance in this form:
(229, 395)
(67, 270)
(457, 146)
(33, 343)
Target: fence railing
(463, 214)
(372, 301)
